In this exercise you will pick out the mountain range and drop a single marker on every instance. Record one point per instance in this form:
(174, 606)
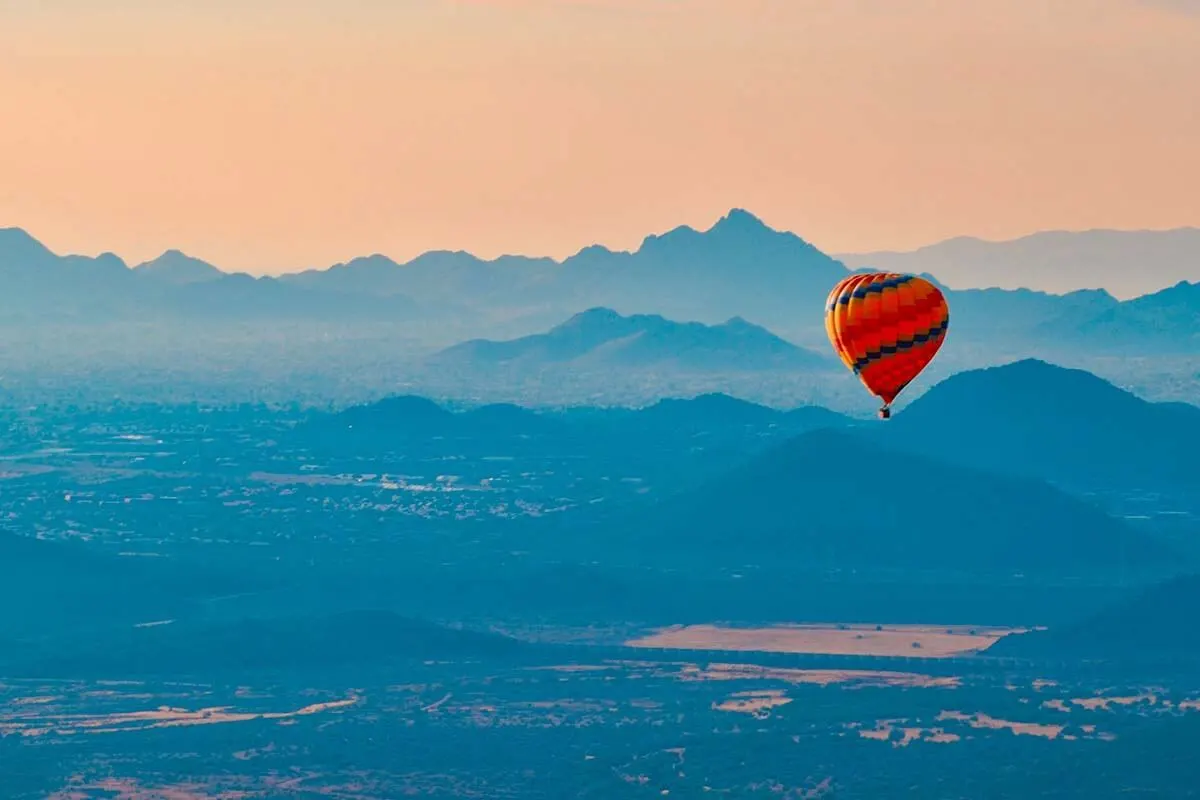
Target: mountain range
(1011, 454)
(401, 419)
(600, 338)
(837, 498)
(1027, 419)
(1126, 263)
(738, 268)
(1166, 319)
(671, 444)
(684, 273)
(1068, 426)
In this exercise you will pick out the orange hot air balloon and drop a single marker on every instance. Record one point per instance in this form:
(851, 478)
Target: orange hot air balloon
(886, 327)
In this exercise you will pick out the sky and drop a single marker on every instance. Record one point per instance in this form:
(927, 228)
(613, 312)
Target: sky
(275, 135)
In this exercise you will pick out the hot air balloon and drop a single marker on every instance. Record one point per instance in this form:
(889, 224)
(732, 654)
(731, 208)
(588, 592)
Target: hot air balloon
(886, 327)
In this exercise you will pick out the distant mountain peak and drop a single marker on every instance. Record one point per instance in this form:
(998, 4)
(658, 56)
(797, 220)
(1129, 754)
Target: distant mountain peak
(593, 250)
(168, 256)
(178, 267)
(602, 336)
(1182, 286)
(707, 402)
(14, 234)
(739, 322)
(1099, 294)
(446, 253)
(1072, 427)
(598, 312)
(392, 410)
(739, 219)
(1029, 376)
(606, 319)
(598, 315)
(1029, 363)
(17, 245)
(680, 233)
(373, 261)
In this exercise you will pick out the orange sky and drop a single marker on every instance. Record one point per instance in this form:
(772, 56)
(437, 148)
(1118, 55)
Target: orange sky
(271, 135)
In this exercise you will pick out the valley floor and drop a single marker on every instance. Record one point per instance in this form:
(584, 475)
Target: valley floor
(608, 728)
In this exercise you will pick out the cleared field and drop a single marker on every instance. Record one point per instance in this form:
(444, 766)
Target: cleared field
(33, 722)
(755, 702)
(923, 641)
(814, 677)
(886, 730)
(991, 723)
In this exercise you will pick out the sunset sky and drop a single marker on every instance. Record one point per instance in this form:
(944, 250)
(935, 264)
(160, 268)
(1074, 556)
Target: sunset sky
(273, 135)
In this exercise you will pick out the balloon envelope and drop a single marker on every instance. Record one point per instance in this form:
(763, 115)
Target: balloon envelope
(886, 327)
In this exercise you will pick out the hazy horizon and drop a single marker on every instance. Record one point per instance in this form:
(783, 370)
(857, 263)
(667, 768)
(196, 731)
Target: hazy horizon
(295, 136)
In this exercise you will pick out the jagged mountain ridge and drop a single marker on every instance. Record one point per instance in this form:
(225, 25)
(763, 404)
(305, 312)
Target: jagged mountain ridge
(738, 268)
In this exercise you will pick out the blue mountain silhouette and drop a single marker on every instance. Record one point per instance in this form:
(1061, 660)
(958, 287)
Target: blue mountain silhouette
(601, 337)
(1130, 263)
(1152, 623)
(1064, 425)
(738, 268)
(1165, 321)
(179, 268)
(836, 497)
